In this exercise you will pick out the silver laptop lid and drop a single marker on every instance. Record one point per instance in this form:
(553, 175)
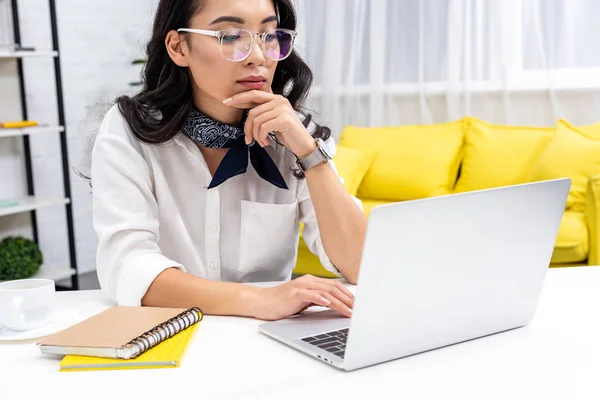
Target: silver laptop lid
(448, 269)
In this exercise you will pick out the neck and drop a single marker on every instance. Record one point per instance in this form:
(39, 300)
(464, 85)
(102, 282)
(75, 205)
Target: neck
(217, 110)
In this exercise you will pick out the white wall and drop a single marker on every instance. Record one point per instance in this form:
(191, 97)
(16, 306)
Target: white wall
(98, 41)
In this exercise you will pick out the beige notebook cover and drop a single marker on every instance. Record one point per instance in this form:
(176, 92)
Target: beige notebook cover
(121, 332)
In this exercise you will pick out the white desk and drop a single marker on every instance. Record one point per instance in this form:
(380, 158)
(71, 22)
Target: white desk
(556, 356)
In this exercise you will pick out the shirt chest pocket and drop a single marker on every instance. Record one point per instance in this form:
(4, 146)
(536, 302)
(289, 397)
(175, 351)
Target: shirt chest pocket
(269, 238)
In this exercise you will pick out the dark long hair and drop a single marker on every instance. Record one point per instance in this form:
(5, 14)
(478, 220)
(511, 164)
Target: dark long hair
(168, 87)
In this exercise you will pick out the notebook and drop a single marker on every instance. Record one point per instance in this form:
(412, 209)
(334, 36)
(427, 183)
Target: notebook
(121, 332)
(167, 354)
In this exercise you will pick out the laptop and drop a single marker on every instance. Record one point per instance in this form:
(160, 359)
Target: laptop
(436, 272)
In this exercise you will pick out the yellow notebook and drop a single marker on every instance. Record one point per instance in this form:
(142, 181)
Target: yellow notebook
(167, 354)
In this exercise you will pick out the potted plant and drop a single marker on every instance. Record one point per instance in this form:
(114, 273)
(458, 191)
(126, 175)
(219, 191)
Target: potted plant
(20, 258)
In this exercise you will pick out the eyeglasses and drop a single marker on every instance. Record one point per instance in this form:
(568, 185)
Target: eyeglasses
(237, 44)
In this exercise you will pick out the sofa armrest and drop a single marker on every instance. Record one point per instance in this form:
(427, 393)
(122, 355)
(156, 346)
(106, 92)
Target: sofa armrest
(592, 215)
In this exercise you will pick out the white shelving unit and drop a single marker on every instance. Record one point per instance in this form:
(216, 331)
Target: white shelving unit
(33, 130)
(31, 203)
(14, 107)
(28, 54)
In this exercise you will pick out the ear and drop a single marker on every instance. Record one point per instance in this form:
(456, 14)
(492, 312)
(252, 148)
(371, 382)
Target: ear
(177, 48)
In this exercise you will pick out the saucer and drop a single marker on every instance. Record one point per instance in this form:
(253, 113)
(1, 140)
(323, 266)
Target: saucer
(56, 323)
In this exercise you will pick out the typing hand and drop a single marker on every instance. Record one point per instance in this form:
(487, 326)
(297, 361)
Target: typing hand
(293, 297)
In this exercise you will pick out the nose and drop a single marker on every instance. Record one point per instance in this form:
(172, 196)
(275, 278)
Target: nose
(256, 56)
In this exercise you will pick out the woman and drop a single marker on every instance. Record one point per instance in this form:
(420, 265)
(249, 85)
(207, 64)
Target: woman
(183, 217)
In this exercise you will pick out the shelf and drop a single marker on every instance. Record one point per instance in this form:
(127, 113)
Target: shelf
(55, 274)
(28, 54)
(30, 131)
(31, 203)
(11, 58)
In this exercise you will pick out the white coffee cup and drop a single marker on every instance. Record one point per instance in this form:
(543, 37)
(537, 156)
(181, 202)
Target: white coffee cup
(26, 304)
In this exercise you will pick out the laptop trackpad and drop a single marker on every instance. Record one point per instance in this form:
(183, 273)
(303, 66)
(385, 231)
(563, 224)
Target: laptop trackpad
(308, 323)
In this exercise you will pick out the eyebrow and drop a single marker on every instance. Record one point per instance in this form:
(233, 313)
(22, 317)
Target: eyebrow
(238, 20)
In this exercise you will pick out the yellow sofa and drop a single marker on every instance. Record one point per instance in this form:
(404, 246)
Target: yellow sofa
(392, 164)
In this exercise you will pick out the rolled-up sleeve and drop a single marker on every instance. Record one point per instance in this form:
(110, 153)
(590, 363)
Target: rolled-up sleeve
(125, 214)
(311, 233)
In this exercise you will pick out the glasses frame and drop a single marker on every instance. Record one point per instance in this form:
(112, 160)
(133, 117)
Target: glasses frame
(219, 35)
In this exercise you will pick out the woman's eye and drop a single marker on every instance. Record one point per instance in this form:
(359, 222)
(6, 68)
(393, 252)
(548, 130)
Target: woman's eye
(270, 37)
(231, 38)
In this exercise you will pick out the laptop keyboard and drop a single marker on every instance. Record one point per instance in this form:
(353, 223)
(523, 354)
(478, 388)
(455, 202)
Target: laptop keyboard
(333, 342)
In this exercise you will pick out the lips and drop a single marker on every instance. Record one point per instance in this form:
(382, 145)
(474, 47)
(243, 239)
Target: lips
(253, 82)
(253, 78)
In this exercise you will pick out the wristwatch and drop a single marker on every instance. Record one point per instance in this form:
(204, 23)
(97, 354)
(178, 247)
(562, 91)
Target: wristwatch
(319, 156)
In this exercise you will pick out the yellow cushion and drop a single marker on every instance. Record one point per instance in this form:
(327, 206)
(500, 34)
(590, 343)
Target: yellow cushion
(352, 165)
(572, 243)
(570, 154)
(308, 263)
(412, 161)
(369, 205)
(498, 155)
(592, 217)
(591, 131)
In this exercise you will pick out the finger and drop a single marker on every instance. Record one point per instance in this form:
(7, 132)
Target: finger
(252, 114)
(334, 291)
(257, 121)
(343, 288)
(338, 285)
(337, 305)
(249, 99)
(311, 296)
(263, 129)
(268, 127)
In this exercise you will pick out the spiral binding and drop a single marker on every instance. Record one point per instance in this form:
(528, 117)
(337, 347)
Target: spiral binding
(167, 329)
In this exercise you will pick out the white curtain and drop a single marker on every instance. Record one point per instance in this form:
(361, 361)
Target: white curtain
(393, 62)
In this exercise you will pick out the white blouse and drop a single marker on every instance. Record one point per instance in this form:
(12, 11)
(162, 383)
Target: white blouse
(152, 211)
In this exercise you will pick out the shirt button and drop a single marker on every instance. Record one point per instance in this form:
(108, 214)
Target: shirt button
(214, 229)
(213, 265)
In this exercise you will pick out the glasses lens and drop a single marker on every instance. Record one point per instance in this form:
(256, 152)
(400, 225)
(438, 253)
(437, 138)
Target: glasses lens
(236, 44)
(278, 44)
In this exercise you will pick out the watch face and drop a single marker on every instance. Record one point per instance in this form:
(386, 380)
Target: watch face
(324, 149)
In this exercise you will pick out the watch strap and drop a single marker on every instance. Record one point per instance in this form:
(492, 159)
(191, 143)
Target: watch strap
(315, 158)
